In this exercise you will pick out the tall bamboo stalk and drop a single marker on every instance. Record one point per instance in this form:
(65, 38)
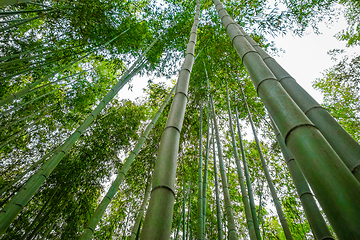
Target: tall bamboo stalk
(157, 224)
(274, 196)
(248, 181)
(313, 215)
(218, 209)
(189, 214)
(245, 199)
(228, 207)
(90, 228)
(140, 215)
(336, 188)
(200, 212)
(12, 209)
(344, 145)
(208, 142)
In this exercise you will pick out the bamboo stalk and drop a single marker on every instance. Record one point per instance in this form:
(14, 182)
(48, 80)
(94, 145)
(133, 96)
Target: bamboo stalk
(313, 215)
(158, 219)
(228, 208)
(275, 198)
(218, 209)
(336, 188)
(200, 221)
(344, 145)
(245, 199)
(95, 218)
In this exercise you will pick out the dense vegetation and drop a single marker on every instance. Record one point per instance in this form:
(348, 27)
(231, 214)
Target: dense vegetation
(59, 59)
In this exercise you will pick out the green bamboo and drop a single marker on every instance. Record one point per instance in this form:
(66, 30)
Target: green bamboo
(34, 99)
(158, 219)
(206, 173)
(14, 136)
(313, 215)
(183, 212)
(200, 222)
(90, 228)
(260, 208)
(7, 186)
(140, 215)
(13, 20)
(21, 53)
(245, 199)
(274, 196)
(228, 207)
(21, 11)
(189, 214)
(336, 188)
(12, 209)
(344, 145)
(30, 87)
(248, 181)
(218, 209)
(10, 2)
(20, 23)
(208, 142)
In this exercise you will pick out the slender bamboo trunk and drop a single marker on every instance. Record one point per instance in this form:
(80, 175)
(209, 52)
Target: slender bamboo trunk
(30, 87)
(208, 142)
(22, 53)
(158, 219)
(22, 11)
(260, 209)
(218, 209)
(189, 214)
(245, 199)
(140, 215)
(313, 215)
(200, 221)
(184, 216)
(12, 209)
(228, 207)
(344, 145)
(248, 181)
(336, 188)
(276, 200)
(90, 228)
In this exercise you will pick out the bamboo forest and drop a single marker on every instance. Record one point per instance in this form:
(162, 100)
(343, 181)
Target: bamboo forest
(228, 145)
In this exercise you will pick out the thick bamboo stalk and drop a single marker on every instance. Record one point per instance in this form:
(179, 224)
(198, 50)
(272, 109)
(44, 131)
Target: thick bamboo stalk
(336, 188)
(245, 199)
(158, 219)
(228, 207)
(248, 181)
(30, 87)
(218, 209)
(140, 215)
(274, 196)
(344, 145)
(12, 209)
(90, 228)
(200, 212)
(313, 215)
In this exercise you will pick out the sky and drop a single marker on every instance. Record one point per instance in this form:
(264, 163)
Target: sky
(305, 58)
